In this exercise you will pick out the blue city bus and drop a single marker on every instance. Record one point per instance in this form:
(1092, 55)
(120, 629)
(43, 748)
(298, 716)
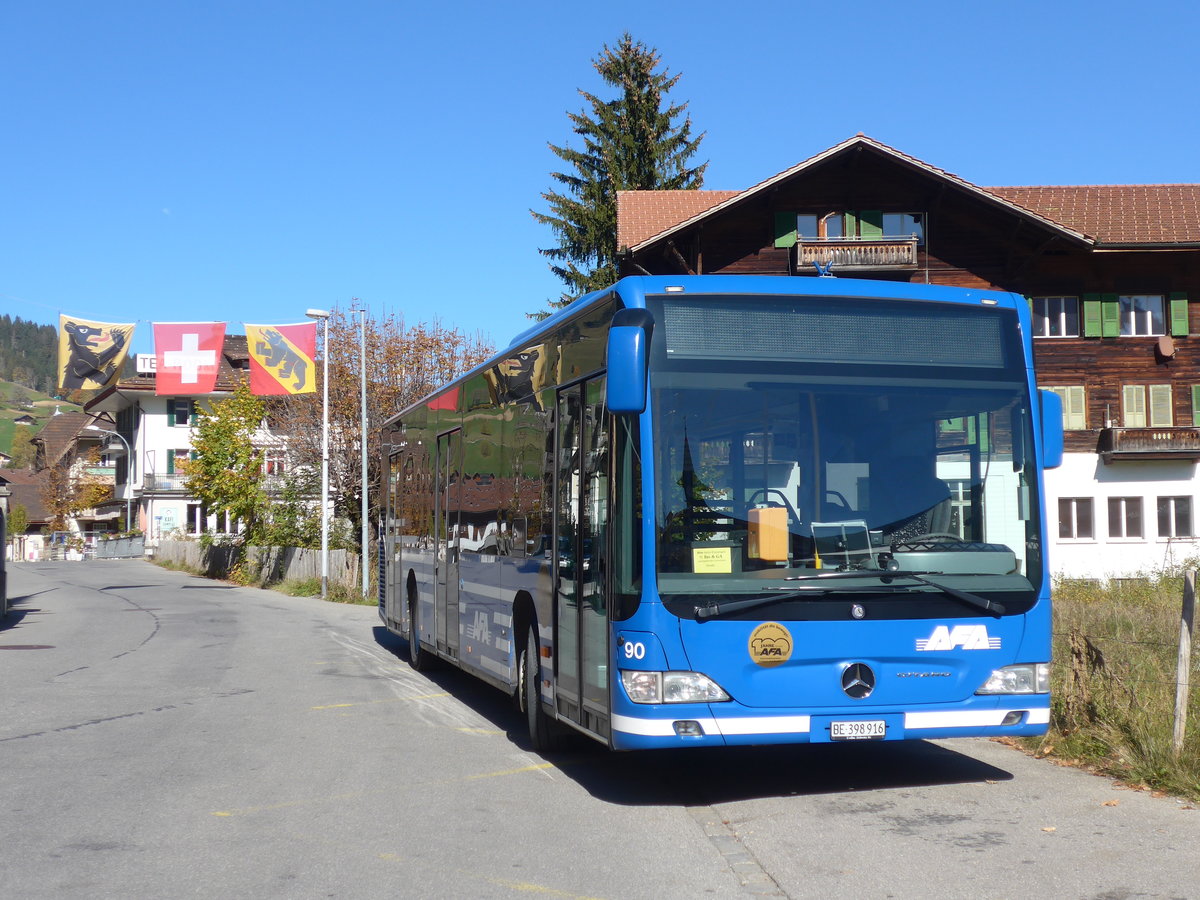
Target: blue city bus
(733, 510)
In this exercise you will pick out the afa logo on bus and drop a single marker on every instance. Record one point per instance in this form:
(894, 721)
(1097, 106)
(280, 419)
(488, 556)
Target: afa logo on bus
(964, 637)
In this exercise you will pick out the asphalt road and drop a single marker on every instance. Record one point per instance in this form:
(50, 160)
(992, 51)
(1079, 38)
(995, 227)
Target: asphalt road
(166, 736)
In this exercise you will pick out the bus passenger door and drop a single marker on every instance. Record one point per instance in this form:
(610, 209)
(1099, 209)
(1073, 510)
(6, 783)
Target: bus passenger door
(581, 590)
(449, 504)
(393, 590)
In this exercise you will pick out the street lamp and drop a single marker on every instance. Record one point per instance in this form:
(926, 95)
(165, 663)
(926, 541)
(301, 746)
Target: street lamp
(362, 427)
(128, 468)
(323, 315)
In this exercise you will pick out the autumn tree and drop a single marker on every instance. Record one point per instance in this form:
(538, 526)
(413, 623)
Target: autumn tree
(24, 453)
(70, 488)
(632, 142)
(227, 471)
(18, 520)
(404, 363)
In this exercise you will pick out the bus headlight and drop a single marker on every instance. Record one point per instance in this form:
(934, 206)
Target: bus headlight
(671, 687)
(1032, 678)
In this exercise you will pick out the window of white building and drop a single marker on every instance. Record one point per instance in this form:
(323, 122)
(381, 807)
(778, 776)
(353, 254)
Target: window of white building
(1075, 517)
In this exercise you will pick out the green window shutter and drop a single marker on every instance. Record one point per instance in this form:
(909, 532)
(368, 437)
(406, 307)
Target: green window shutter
(870, 224)
(192, 404)
(1110, 316)
(170, 412)
(170, 462)
(1133, 404)
(1196, 404)
(1091, 316)
(1076, 407)
(1179, 314)
(785, 229)
(851, 220)
(1161, 414)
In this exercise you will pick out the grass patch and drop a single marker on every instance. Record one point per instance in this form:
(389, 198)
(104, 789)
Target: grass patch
(311, 587)
(176, 567)
(1113, 683)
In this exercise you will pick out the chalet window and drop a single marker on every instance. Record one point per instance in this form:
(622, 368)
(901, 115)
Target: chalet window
(1136, 414)
(1055, 317)
(1196, 404)
(1074, 405)
(1175, 517)
(863, 224)
(1124, 517)
(1142, 314)
(904, 225)
(1075, 518)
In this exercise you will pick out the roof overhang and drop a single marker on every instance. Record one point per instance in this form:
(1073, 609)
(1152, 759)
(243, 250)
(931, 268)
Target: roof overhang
(863, 142)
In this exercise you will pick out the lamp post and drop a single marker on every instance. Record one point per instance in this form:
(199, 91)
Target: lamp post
(362, 429)
(323, 315)
(128, 468)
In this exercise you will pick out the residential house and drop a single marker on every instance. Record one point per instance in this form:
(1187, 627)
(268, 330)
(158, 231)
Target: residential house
(158, 433)
(1112, 273)
(25, 488)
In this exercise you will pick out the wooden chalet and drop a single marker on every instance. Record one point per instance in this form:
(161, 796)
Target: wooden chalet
(1112, 273)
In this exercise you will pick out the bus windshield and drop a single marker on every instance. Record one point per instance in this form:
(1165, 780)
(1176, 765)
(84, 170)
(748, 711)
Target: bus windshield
(773, 474)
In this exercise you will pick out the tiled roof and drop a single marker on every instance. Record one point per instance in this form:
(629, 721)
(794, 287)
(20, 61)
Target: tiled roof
(643, 214)
(1109, 214)
(25, 489)
(234, 368)
(60, 432)
(1117, 213)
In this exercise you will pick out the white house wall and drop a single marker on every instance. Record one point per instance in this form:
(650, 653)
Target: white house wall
(1085, 475)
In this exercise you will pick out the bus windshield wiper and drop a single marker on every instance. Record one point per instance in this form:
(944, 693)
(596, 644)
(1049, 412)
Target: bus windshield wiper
(714, 608)
(981, 603)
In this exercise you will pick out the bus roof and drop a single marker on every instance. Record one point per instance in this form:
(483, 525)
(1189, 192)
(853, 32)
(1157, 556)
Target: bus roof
(634, 289)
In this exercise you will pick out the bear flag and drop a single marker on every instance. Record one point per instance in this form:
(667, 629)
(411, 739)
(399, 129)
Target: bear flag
(90, 354)
(282, 358)
(187, 357)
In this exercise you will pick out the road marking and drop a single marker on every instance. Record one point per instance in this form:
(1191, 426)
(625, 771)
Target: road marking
(535, 768)
(389, 700)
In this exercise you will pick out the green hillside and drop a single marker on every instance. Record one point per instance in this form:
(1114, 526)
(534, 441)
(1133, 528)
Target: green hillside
(17, 400)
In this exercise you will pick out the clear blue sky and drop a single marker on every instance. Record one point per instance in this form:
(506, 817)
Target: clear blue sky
(243, 160)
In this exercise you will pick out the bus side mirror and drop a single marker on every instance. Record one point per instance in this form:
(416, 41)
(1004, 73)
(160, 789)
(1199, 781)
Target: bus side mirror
(1052, 429)
(627, 369)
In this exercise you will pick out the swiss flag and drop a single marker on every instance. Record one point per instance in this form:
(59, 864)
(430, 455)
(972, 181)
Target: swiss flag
(187, 356)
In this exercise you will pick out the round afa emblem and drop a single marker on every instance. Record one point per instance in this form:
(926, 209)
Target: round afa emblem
(770, 645)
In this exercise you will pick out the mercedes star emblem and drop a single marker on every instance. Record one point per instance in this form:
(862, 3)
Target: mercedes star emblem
(858, 681)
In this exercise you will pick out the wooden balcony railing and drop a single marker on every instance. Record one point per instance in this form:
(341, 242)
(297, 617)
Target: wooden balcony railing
(883, 253)
(1149, 443)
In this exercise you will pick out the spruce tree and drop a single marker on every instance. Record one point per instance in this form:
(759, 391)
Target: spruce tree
(632, 142)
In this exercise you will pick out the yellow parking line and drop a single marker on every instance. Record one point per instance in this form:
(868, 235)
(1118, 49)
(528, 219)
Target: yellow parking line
(389, 700)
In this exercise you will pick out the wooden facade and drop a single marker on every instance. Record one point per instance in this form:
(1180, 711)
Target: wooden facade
(972, 237)
(1112, 274)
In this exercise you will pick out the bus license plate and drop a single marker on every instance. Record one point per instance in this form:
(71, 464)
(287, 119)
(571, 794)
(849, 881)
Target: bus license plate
(858, 730)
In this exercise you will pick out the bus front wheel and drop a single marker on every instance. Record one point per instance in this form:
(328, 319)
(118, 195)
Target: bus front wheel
(543, 733)
(418, 657)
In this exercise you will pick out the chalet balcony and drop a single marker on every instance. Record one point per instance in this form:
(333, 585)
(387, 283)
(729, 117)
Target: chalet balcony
(858, 254)
(1149, 443)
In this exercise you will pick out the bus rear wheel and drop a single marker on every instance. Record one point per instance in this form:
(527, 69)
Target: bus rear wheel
(544, 734)
(418, 657)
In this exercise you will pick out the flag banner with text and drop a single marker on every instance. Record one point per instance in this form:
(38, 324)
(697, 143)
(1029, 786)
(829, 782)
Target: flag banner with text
(90, 354)
(282, 358)
(187, 356)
